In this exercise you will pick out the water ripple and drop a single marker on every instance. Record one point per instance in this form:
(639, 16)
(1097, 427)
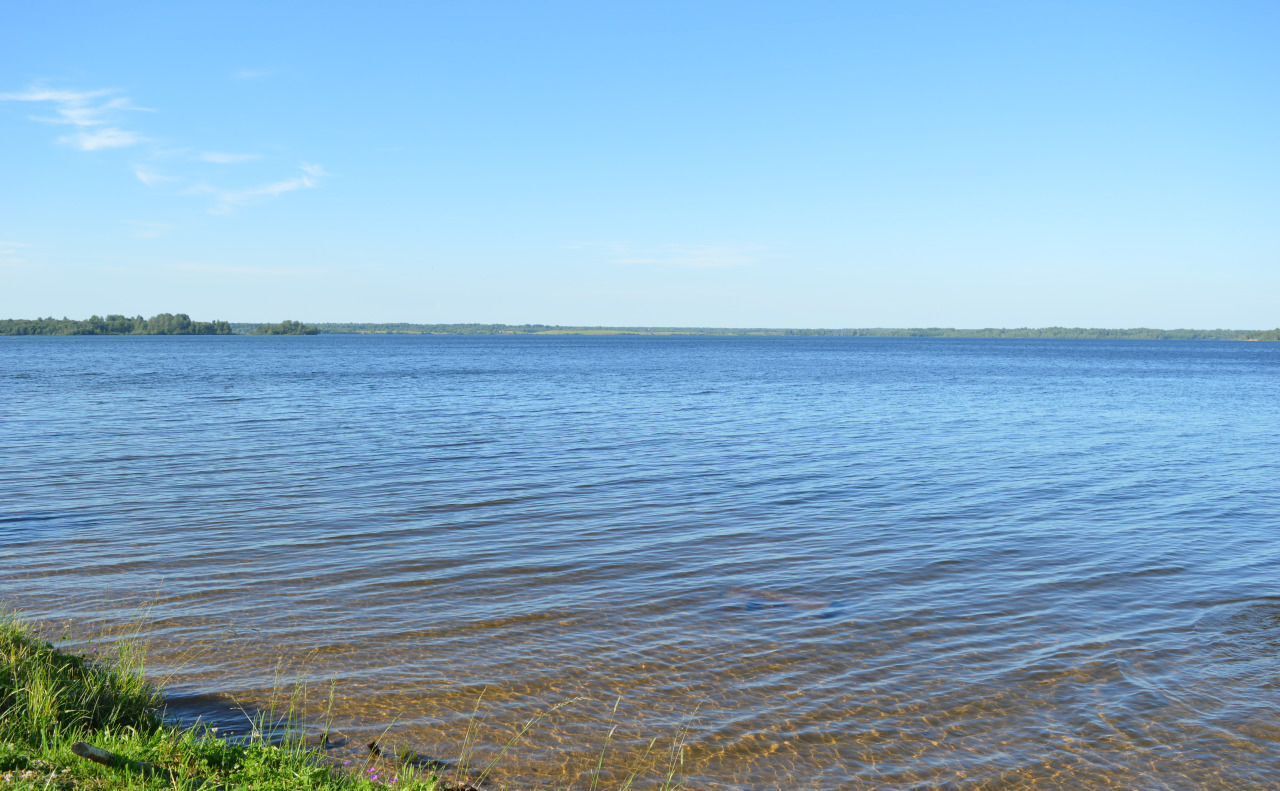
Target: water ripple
(844, 563)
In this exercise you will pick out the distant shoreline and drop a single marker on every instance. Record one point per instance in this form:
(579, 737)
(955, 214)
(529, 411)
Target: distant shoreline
(180, 324)
(1020, 333)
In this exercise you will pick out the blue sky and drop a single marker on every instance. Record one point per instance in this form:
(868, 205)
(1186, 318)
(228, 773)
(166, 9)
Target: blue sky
(696, 163)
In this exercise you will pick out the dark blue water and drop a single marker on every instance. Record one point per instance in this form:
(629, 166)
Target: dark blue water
(818, 562)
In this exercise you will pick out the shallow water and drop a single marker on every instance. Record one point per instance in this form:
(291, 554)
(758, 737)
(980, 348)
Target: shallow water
(817, 562)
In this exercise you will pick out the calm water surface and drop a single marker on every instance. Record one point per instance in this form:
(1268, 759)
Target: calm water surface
(827, 563)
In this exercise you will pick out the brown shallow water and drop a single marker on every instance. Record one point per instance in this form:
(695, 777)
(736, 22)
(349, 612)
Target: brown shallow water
(814, 563)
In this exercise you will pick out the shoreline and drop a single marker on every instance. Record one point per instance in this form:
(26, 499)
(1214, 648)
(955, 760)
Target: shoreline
(73, 720)
(669, 335)
(181, 324)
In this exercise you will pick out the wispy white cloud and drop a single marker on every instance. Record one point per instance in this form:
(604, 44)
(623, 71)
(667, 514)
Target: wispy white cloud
(92, 114)
(92, 118)
(250, 74)
(39, 94)
(101, 139)
(225, 158)
(226, 201)
(677, 256)
(150, 177)
(12, 254)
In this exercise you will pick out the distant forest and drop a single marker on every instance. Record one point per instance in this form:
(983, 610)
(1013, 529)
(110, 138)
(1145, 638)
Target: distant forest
(181, 324)
(160, 324)
(1061, 333)
(286, 327)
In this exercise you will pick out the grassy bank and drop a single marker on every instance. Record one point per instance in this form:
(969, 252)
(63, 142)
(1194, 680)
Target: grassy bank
(56, 707)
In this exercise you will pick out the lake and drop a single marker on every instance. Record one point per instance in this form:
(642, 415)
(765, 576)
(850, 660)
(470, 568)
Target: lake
(813, 562)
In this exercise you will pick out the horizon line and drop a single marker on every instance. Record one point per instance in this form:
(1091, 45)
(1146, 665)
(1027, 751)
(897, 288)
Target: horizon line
(722, 328)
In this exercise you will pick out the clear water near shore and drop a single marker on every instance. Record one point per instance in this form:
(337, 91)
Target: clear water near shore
(826, 562)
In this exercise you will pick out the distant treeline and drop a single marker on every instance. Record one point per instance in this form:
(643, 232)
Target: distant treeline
(286, 327)
(1062, 333)
(181, 324)
(161, 324)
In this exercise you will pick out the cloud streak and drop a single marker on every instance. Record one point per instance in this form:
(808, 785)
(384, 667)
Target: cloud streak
(93, 115)
(149, 177)
(101, 139)
(227, 201)
(92, 120)
(11, 254)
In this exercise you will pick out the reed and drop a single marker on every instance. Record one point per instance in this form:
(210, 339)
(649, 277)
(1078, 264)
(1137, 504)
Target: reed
(58, 708)
(54, 703)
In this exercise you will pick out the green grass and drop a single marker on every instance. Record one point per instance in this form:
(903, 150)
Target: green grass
(50, 700)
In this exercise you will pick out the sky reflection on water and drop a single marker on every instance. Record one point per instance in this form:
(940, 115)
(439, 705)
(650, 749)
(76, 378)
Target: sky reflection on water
(836, 562)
